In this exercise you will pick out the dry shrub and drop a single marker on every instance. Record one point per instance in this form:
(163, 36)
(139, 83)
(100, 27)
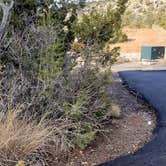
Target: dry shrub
(78, 47)
(20, 137)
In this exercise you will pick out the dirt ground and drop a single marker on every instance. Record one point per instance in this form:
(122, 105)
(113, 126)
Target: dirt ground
(125, 135)
(142, 37)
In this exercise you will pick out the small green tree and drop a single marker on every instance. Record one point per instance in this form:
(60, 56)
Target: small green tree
(98, 27)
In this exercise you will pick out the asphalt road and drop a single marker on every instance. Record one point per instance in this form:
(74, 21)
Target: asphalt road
(151, 85)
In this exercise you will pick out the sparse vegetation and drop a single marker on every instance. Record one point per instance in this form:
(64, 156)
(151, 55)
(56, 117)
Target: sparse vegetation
(142, 13)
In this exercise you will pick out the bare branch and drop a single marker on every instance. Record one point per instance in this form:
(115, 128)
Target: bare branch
(6, 13)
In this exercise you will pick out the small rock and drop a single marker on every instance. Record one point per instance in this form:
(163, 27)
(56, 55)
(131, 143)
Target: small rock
(84, 163)
(81, 152)
(149, 122)
(92, 150)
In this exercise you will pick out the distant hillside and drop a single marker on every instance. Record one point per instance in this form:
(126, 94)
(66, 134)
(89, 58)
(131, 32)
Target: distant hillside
(145, 13)
(139, 13)
(100, 5)
(140, 6)
(136, 6)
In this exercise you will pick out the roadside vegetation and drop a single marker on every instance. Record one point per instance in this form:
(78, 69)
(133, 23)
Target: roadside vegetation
(54, 78)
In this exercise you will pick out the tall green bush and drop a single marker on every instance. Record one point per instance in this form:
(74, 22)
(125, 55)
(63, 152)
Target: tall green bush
(98, 27)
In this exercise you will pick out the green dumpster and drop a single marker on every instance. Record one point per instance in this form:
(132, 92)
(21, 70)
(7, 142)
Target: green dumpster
(152, 52)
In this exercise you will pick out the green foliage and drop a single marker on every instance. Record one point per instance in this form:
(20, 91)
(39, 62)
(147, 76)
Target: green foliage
(51, 61)
(23, 14)
(121, 7)
(83, 140)
(98, 27)
(75, 110)
(87, 104)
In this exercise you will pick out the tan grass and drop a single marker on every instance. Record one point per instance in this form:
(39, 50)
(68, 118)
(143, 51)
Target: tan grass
(116, 111)
(20, 138)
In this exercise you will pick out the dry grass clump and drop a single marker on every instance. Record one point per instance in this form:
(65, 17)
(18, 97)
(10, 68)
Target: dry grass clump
(20, 137)
(116, 111)
(78, 47)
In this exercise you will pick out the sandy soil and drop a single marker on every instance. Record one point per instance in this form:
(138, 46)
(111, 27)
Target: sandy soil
(142, 37)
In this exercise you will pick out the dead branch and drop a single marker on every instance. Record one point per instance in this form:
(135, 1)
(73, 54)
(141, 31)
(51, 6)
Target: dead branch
(6, 13)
